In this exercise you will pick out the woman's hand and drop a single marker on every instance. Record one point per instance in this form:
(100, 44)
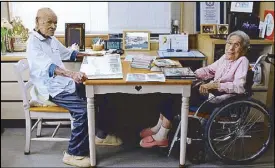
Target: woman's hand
(204, 88)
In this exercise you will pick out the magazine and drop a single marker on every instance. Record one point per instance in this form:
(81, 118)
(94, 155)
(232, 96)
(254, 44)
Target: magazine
(105, 67)
(166, 63)
(142, 77)
(179, 73)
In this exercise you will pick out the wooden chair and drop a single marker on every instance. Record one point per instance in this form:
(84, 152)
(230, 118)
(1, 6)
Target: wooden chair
(39, 113)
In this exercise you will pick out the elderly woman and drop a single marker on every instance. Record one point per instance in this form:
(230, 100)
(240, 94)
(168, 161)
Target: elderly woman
(229, 73)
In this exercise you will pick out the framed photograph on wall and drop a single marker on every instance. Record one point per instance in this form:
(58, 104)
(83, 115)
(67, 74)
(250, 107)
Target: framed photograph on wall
(222, 28)
(208, 29)
(136, 40)
(75, 33)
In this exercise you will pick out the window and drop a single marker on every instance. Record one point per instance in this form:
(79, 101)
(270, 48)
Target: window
(147, 16)
(94, 15)
(100, 17)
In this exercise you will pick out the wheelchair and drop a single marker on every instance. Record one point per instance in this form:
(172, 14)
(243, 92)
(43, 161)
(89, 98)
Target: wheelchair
(238, 130)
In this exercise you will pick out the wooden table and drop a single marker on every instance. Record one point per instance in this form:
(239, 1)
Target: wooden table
(93, 87)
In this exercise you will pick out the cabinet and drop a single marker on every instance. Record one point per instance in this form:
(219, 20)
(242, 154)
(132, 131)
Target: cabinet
(213, 49)
(11, 100)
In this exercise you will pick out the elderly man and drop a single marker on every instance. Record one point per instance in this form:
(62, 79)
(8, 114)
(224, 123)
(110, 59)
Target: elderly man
(59, 85)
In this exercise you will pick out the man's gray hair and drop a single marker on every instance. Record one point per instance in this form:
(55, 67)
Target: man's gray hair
(245, 43)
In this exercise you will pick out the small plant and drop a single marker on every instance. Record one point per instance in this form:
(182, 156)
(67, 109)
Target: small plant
(6, 30)
(19, 29)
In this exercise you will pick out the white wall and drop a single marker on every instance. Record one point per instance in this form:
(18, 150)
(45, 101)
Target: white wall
(4, 10)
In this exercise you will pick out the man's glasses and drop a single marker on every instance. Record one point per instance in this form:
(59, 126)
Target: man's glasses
(234, 45)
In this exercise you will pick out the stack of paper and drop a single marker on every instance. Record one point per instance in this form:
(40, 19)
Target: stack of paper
(142, 62)
(166, 63)
(158, 64)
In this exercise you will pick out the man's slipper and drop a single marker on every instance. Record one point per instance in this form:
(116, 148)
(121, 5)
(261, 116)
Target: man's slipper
(110, 140)
(149, 142)
(146, 132)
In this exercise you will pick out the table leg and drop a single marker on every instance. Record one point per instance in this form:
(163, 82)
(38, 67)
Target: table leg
(91, 129)
(184, 124)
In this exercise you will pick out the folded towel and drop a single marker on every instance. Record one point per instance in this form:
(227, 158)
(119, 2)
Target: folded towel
(39, 100)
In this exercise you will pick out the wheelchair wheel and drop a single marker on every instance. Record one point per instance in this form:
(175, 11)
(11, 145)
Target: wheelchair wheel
(240, 131)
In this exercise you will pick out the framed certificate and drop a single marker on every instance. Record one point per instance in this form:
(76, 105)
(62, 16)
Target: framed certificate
(75, 33)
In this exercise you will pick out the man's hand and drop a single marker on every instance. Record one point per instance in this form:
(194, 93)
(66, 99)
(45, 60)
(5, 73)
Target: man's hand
(79, 77)
(204, 88)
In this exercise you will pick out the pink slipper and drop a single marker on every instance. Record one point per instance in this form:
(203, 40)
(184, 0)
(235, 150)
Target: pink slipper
(149, 142)
(146, 132)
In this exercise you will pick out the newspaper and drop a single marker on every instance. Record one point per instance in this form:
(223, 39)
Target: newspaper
(105, 67)
(142, 77)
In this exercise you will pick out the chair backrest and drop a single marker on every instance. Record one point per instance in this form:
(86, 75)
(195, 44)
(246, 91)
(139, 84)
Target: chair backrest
(19, 68)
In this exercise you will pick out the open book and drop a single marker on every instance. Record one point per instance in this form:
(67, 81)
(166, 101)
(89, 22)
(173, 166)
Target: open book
(179, 73)
(142, 77)
(105, 67)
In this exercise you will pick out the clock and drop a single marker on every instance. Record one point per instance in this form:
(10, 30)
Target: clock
(112, 44)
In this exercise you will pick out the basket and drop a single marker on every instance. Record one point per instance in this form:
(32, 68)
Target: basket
(98, 47)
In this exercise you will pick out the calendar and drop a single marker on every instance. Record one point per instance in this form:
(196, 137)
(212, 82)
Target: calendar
(174, 41)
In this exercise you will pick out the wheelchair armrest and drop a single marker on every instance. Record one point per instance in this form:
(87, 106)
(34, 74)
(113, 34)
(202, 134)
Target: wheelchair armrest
(215, 92)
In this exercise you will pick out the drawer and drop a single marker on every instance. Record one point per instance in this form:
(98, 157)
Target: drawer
(12, 110)
(8, 72)
(11, 91)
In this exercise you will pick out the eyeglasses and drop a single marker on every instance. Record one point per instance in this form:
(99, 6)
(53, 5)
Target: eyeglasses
(234, 45)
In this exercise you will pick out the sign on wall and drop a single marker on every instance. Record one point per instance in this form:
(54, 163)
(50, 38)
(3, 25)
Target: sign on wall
(209, 12)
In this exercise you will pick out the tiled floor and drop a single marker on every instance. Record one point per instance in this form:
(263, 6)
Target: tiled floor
(49, 154)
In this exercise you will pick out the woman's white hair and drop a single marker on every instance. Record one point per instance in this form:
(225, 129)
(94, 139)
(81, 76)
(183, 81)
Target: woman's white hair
(245, 43)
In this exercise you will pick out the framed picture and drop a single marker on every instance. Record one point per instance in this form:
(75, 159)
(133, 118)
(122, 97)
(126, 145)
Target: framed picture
(75, 33)
(136, 40)
(112, 44)
(208, 29)
(222, 28)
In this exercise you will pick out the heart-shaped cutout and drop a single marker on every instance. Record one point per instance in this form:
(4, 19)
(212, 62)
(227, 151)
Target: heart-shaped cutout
(138, 88)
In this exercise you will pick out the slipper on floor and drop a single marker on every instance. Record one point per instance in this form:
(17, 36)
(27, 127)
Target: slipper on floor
(110, 140)
(146, 132)
(149, 142)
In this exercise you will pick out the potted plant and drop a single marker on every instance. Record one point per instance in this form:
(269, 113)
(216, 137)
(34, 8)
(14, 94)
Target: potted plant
(6, 31)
